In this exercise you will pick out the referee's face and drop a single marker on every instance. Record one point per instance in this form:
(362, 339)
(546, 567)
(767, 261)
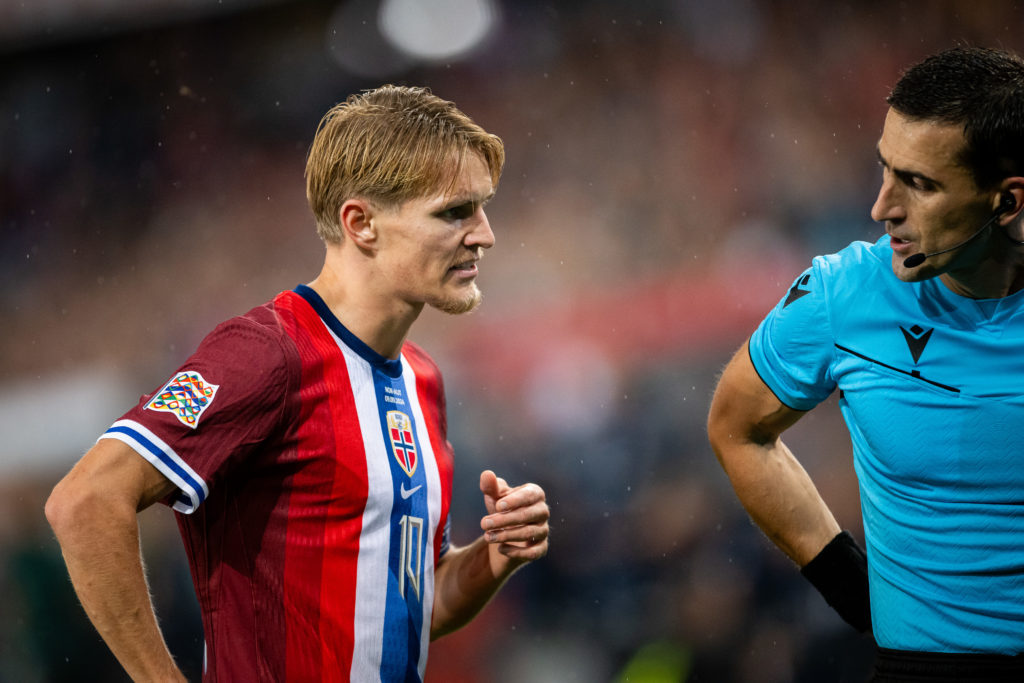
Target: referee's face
(430, 247)
(928, 200)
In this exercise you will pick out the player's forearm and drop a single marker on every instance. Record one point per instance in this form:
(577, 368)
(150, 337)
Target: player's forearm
(779, 496)
(100, 543)
(465, 582)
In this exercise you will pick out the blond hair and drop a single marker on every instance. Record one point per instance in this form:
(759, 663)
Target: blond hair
(390, 145)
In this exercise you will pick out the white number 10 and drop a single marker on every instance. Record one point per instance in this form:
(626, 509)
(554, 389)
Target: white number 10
(410, 561)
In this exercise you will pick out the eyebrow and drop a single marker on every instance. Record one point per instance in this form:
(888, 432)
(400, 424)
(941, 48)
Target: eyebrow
(903, 174)
(457, 201)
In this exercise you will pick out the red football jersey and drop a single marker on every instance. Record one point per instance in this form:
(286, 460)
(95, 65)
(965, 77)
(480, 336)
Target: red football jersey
(314, 481)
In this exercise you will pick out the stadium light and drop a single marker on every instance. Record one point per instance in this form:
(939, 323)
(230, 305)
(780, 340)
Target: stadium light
(439, 30)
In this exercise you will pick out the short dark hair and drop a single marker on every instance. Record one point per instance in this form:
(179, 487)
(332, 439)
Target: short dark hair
(981, 89)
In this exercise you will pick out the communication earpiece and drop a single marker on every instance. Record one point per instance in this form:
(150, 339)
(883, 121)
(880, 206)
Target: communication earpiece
(1007, 203)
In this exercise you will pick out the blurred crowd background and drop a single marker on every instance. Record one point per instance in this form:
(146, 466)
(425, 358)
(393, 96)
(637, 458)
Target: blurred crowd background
(672, 166)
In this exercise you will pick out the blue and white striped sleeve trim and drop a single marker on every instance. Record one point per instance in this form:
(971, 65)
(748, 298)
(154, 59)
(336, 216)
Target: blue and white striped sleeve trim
(446, 537)
(192, 489)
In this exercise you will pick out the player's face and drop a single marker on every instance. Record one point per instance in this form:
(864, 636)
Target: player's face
(430, 247)
(928, 199)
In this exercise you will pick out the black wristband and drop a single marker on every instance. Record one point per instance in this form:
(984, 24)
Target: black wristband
(840, 573)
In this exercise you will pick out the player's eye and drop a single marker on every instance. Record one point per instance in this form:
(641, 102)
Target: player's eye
(457, 213)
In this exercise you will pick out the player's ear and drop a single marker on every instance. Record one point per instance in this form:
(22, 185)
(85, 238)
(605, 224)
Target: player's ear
(356, 219)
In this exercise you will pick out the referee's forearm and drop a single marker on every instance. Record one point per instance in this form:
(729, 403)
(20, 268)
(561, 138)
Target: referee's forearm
(745, 423)
(779, 496)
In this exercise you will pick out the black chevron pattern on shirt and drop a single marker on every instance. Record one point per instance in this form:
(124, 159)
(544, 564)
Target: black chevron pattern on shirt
(795, 292)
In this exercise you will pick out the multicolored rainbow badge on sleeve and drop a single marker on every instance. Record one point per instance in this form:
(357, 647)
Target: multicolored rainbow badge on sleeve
(186, 396)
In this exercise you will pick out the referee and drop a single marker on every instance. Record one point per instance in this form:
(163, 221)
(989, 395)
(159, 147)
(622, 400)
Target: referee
(922, 334)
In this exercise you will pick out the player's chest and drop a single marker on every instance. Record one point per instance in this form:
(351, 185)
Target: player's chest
(364, 448)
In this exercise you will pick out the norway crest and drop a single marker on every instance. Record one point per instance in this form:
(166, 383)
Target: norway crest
(186, 396)
(402, 444)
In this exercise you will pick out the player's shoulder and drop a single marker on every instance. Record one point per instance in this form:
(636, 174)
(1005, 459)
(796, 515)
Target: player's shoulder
(429, 383)
(264, 320)
(256, 337)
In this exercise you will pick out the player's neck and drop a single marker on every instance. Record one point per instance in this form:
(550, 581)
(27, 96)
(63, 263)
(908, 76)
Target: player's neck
(380, 322)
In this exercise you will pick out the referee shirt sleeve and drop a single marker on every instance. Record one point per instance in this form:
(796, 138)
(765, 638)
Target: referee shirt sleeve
(793, 347)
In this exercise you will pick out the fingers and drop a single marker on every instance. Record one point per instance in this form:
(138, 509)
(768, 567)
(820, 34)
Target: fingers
(526, 552)
(505, 518)
(527, 535)
(518, 519)
(532, 515)
(489, 484)
(493, 487)
(528, 542)
(523, 504)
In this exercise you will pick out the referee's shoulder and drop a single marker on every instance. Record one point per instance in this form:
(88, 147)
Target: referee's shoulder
(857, 262)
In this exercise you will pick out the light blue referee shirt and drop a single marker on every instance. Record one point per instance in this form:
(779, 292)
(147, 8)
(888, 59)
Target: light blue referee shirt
(932, 389)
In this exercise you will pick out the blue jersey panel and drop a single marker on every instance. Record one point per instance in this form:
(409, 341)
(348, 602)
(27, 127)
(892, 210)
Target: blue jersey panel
(403, 618)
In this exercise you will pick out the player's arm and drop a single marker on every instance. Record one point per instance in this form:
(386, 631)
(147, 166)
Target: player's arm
(93, 511)
(515, 533)
(745, 426)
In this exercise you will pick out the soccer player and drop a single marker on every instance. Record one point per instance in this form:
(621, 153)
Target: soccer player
(304, 443)
(922, 333)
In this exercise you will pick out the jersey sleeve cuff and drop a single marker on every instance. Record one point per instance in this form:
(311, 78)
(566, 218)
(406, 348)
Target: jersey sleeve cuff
(192, 490)
(761, 366)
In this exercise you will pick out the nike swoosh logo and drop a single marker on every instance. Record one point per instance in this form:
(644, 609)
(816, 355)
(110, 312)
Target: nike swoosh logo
(408, 492)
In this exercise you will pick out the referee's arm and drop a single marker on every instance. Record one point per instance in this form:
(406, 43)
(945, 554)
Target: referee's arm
(745, 425)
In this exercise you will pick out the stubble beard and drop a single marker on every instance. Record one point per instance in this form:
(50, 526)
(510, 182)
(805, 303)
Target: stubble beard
(458, 306)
